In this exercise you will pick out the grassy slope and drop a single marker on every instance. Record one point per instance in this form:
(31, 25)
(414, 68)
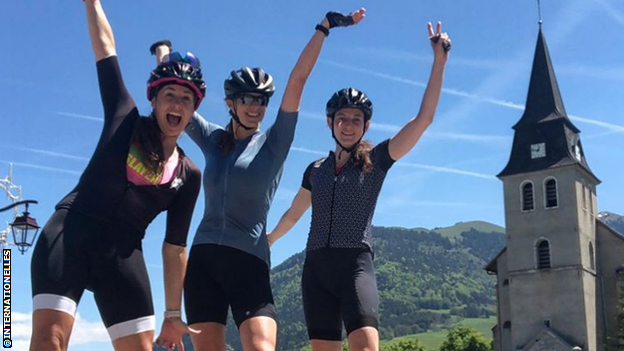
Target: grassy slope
(456, 230)
(433, 340)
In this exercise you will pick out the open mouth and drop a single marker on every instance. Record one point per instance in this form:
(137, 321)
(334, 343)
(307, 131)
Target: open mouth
(174, 119)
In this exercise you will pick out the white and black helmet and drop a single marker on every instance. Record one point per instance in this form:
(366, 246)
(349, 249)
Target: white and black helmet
(249, 80)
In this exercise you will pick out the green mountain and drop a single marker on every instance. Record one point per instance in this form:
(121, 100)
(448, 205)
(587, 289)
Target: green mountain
(426, 278)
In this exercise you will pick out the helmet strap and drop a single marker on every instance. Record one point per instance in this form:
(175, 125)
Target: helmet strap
(234, 115)
(347, 149)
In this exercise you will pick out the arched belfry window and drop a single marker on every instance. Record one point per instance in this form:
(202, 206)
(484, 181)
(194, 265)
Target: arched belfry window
(550, 193)
(592, 260)
(528, 201)
(543, 254)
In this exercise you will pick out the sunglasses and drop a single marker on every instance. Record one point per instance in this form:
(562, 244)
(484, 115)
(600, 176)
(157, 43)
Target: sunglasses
(253, 99)
(188, 58)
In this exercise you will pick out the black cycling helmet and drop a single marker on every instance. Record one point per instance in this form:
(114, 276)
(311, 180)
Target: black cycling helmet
(177, 69)
(248, 80)
(349, 98)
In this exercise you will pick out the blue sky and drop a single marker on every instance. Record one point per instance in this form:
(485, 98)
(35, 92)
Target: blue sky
(51, 114)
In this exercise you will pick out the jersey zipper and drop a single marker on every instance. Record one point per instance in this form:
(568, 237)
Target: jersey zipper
(225, 183)
(331, 212)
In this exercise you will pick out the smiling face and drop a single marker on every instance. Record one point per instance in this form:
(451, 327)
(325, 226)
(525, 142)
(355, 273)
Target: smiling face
(173, 106)
(349, 126)
(250, 108)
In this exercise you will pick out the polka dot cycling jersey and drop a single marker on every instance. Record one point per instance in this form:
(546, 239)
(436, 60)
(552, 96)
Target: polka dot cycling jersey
(343, 205)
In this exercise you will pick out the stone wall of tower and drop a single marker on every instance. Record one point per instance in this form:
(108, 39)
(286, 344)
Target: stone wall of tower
(564, 295)
(503, 328)
(610, 258)
(555, 297)
(619, 327)
(568, 231)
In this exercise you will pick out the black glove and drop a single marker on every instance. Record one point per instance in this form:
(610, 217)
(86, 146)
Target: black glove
(337, 19)
(446, 46)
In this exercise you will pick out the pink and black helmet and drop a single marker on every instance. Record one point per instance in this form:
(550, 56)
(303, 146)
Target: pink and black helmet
(178, 69)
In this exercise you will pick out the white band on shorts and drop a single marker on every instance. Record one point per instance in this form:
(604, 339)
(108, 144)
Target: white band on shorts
(132, 327)
(55, 302)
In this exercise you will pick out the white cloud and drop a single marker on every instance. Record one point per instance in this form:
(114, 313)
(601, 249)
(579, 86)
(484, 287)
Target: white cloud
(84, 332)
(308, 151)
(477, 97)
(75, 115)
(416, 165)
(44, 168)
(447, 170)
(46, 152)
(393, 128)
(611, 11)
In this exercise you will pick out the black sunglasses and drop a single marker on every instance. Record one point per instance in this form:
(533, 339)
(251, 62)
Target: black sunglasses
(247, 99)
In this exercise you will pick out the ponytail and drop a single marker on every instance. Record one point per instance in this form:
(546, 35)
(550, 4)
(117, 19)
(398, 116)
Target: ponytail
(226, 142)
(361, 156)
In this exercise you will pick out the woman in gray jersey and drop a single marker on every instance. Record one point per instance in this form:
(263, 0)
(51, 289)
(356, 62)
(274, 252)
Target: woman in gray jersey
(229, 262)
(338, 282)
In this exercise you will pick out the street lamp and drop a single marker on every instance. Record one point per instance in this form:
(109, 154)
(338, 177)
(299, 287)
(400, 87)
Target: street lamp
(24, 227)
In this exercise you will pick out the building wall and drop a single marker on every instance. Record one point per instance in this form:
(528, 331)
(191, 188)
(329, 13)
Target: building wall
(568, 232)
(504, 305)
(610, 256)
(554, 295)
(564, 294)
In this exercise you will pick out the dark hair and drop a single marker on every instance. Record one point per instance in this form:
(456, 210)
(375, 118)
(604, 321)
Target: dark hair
(147, 136)
(226, 142)
(361, 156)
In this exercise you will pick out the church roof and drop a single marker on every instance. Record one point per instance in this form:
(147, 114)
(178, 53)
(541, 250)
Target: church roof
(546, 122)
(603, 225)
(544, 102)
(492, 266)
(547, 339)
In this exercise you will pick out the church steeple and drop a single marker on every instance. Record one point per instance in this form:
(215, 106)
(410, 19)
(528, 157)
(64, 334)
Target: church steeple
(544, 136)
(544, 100)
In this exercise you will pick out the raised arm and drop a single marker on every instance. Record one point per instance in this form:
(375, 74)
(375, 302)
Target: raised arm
(100, 31)
(310, 54)
(408, 136)
(300, 204)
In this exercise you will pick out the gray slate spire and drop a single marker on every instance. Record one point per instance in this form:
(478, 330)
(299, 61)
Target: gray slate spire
(544, 136)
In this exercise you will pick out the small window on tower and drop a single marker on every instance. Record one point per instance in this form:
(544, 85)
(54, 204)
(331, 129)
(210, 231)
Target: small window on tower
(584, 197)
(543, 254)
(591, 200)
(592, 263)
(527, 197)
(551, 193)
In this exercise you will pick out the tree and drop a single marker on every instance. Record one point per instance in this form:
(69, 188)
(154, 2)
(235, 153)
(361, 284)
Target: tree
(404, 345)
(465, 339)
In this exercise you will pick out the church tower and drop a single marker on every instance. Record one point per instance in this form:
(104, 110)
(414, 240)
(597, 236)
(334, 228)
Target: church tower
(550, 215)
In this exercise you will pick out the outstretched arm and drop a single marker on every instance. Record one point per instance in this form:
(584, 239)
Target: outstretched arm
(408, 136)
(309, 56)
(173, 328)
(100, 31)
(300, 204)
